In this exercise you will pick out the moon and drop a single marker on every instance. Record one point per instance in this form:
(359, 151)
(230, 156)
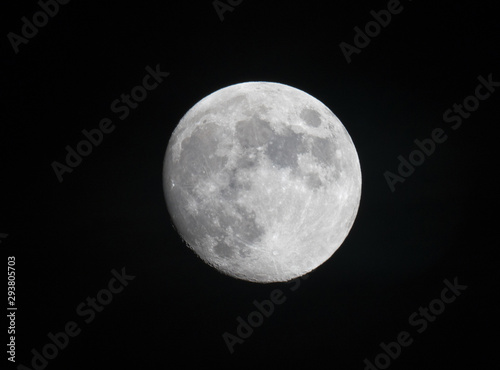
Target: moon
(262, 181)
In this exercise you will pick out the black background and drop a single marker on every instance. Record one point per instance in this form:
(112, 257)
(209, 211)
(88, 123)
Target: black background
(110, 211)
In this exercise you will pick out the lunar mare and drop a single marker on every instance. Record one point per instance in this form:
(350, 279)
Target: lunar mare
(262, 181)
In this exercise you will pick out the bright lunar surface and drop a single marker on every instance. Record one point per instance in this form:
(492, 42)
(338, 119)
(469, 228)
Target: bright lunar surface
(262, 181)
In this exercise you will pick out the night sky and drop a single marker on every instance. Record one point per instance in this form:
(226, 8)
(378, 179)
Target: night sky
(416, 80)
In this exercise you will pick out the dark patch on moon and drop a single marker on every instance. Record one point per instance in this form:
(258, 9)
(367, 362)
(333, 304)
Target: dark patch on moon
(310, 117)
(244, 250)
(283, 149)
(243, 224)
(247, 160)
(323, 150)
(223, 250)
(231, 191)
(237, 100)
(338, 173)
(245, 230)
(313, 180)
(197, 158)
(253, 133)
(246, 226)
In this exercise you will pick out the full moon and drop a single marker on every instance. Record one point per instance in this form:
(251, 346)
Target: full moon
(262, 181)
